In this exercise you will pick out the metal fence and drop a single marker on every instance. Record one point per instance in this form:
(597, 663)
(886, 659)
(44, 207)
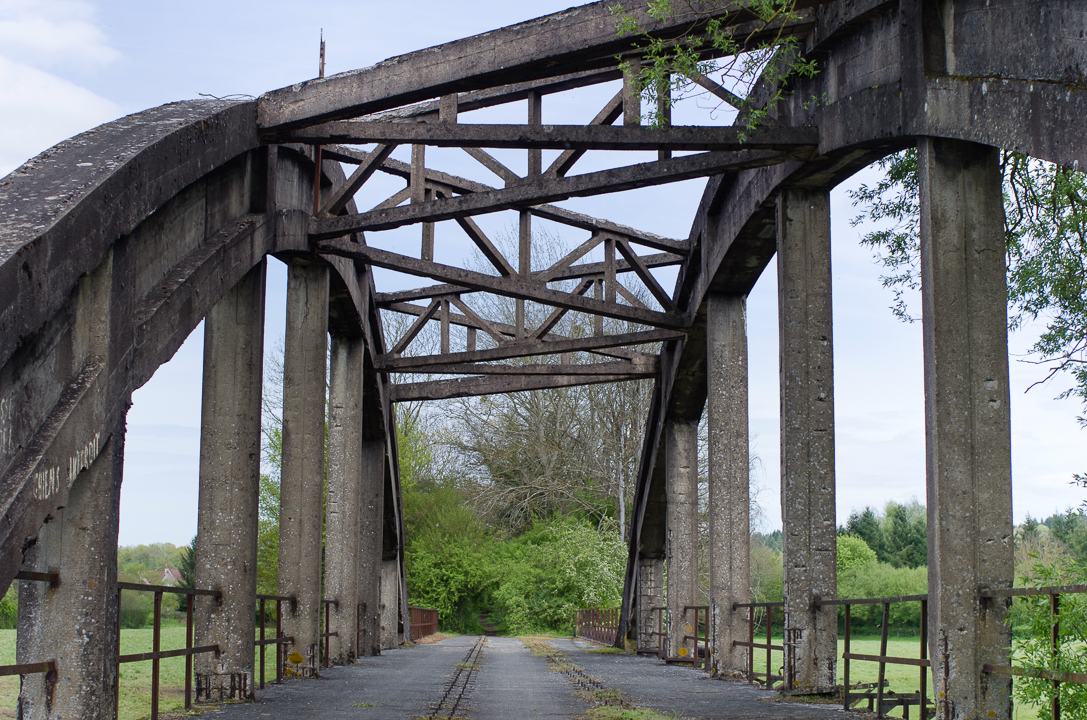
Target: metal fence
(43, 667)
(279, 640)
(424, 621)
(767, 678)
(598, 625)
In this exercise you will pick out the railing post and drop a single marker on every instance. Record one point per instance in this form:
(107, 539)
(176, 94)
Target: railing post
(189, 599)
(845, 655)
(156, 646)
(1055, 647)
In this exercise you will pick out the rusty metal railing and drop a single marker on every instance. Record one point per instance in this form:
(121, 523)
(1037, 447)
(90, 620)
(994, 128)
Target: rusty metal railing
(880, 698)
(46, 667)
(598, 625)
(768, 678)
(424, 621)
(157, 654)
(328, 634)
(1055, 676)
(699, 633)
(280, 640)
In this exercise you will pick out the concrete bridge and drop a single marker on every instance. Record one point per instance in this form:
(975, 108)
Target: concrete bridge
(115, 244)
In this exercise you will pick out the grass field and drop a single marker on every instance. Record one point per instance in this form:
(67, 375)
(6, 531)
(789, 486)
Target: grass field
(901, 678)
(135, 696)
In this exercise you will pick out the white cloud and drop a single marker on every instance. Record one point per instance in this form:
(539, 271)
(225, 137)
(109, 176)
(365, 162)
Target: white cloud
(41, 109)
(56, 33)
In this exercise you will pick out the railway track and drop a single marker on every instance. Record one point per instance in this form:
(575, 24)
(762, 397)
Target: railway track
(459, 687)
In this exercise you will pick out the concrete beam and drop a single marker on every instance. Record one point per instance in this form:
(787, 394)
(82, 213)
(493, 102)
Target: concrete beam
(302, 477)
(729, 477)
(807, 435)
(371, 527)
(226, 534)
(390, 604)
(967, 423)
(681, 547)
(650, 599)
(344, 496)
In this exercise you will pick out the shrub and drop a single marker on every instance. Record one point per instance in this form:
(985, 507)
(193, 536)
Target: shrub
(9, 609)
(135, 609)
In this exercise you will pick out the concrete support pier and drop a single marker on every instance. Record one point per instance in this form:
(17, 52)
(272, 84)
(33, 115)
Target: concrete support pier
(681, 447)
(76, 621)
(302, 480)
(342, 529)
(729, 478)
(371, 526)
(807, 436)
(650, 597)
(390, 604)
(964, 295)
(226, 533)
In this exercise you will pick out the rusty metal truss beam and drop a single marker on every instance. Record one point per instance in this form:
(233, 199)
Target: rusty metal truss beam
(477, 386)
(542, 190)
(515, 287)
(558, 137)
(640, 366)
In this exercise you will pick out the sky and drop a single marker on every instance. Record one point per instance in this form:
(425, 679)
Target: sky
(69, 65)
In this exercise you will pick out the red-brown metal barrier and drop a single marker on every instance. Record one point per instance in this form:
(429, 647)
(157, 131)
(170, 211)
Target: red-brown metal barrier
(280, 640)
(424, 621)
(879, 697)
(697, 619)
(157, 654)
(768, 678)
(1055, 676)
(598, 625)
(327, 635)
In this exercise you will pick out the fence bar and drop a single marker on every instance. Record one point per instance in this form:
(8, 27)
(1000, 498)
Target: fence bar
(156, 646)
(1055, 648)
(923, 680)
(846, 657)
(882, 681)
(188, 650)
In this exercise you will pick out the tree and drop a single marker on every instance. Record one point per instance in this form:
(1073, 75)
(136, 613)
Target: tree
(865, 525)
(905, 535)
(1046, 230)
(853, 553)
(186, 567)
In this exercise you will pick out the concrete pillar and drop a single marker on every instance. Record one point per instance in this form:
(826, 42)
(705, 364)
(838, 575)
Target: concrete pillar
(342, 529)
(681, 546)
(371, 527)
(729, 477)
(302, 477)
(226, 533)
(390, 604)
(807, 435)
(964, 295)
(650, 597)
(75, 623)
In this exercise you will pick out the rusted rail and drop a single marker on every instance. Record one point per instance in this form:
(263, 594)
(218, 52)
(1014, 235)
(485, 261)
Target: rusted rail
(880, 699)
(768, 678)
(328, 634)
(424, 621)
(1056, 677)
(598, 625)
(699, 633)
(46, 667)
(157, 654)
(279, 640)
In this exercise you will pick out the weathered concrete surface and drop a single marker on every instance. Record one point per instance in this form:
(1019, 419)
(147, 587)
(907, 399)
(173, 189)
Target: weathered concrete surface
(650, 597)
(302, 480)
(682, 541)
(968, 438)
(390, 604)
(226, 532)
(729, 477)
(807, 434)
(76, 622)
(511, 680)
(370, 546)
(342, 521)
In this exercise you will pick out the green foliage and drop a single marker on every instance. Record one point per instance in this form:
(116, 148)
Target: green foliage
(853, 553)
(146, 563)
(136, 608)
(763, 51)
(899, 536)
(1046, 228)
(187, 568)
(555, 568)
(1033, 620)
(9, 608)
(879, 579)
(767, 572)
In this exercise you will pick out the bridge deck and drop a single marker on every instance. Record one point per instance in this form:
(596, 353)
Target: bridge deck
(499, 678)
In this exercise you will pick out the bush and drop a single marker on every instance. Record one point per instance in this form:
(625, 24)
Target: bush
(879, 579)
(136, 609)
(9, 609)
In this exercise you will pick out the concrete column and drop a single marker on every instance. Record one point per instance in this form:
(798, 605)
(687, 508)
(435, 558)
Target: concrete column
(390, 604)
(344, 496)
(371, 526)
(302, 477)
(681, 546)
(729, 477)
(964, 295)
(76, 622)
(226, 533)
(650, 597)
(807, 435)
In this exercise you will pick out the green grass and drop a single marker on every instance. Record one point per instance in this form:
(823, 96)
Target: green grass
(901, 678)
(135, 695)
